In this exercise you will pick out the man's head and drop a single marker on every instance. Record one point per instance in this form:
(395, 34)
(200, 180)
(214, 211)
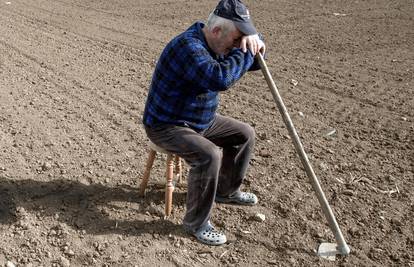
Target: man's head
(229, 21)
(221, 34)
(237, 12)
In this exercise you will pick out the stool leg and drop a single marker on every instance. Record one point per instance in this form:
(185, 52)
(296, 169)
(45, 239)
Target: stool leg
(148, 167)
(178, 169)
(169, 186)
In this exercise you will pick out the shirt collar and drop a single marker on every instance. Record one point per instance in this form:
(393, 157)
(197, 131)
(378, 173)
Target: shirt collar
(199, 27)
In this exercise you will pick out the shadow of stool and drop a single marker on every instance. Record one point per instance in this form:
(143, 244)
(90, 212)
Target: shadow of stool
(173, 162)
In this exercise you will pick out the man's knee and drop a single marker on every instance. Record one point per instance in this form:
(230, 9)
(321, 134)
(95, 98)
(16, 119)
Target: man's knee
(212, 156)
(216, 155)
(248, 132)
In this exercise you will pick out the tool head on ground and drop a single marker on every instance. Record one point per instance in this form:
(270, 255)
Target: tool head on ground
(330, 250)
(237, 12)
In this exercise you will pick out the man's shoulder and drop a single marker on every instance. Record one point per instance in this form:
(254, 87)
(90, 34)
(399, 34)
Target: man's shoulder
(193, 35)
(195, 29)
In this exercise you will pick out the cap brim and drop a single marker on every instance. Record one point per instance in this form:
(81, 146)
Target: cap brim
(245, 27)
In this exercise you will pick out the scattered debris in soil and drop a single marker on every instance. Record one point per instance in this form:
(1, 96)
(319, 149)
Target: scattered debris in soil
(74, 76)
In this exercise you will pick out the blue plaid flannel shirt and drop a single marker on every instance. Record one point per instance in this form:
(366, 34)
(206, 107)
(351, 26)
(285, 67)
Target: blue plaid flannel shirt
(187, 79)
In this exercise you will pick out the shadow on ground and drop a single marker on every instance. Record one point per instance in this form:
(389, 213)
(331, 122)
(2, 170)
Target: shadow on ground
(94, 208)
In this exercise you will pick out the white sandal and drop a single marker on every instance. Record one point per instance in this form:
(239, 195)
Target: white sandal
(210, 236)
(241, 198)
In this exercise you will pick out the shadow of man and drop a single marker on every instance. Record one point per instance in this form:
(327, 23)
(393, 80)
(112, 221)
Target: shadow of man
(95, 208)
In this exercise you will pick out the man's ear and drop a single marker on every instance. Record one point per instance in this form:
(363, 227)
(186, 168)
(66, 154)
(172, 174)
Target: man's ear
(216, 31)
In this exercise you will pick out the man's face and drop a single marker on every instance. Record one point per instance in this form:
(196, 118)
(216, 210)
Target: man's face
(224, 43)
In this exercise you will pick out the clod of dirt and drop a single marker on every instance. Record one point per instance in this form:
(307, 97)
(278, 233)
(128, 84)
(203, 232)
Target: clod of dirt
(265, 154)
(155, 210)
(354, 231)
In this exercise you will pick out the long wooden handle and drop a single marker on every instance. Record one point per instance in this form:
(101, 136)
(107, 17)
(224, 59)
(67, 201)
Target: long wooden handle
(342, 246)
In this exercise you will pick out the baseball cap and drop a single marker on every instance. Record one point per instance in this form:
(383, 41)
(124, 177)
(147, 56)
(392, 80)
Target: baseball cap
(237, 12)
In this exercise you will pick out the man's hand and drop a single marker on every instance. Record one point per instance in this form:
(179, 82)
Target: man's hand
(253, 43)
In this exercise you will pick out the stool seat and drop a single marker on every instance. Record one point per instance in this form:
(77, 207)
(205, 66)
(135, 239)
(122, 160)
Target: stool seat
(172, 161)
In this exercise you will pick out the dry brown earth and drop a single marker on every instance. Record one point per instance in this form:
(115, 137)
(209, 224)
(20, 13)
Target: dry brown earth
(73, 80)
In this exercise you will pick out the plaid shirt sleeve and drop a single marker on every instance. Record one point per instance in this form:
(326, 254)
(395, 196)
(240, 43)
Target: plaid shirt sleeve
(196, 64)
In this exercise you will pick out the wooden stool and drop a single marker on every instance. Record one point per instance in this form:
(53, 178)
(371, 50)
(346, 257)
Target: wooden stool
(169, 188)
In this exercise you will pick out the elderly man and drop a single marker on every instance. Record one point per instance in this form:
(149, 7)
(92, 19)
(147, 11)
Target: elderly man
(180, 113)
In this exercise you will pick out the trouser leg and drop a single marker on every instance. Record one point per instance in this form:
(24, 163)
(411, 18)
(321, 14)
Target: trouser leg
(212, 170)
(204, 158)
(237, 140)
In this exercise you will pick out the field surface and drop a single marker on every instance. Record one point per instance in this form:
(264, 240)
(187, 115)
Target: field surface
(74, 76)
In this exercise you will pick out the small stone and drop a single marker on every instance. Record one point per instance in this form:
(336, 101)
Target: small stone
(259, 217)
(272, 262)
(70, 253)
(64, 262)
(46, 166)
(323, 166)
(301, 114)
(294, 82)
(10, 264)
(348, 192)
(330, 133)
(205, 251)
(339, 14)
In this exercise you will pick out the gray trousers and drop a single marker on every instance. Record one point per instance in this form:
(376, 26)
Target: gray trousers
(218, 158)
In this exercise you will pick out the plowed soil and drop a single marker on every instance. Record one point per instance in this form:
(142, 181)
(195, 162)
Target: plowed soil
(74, 76)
